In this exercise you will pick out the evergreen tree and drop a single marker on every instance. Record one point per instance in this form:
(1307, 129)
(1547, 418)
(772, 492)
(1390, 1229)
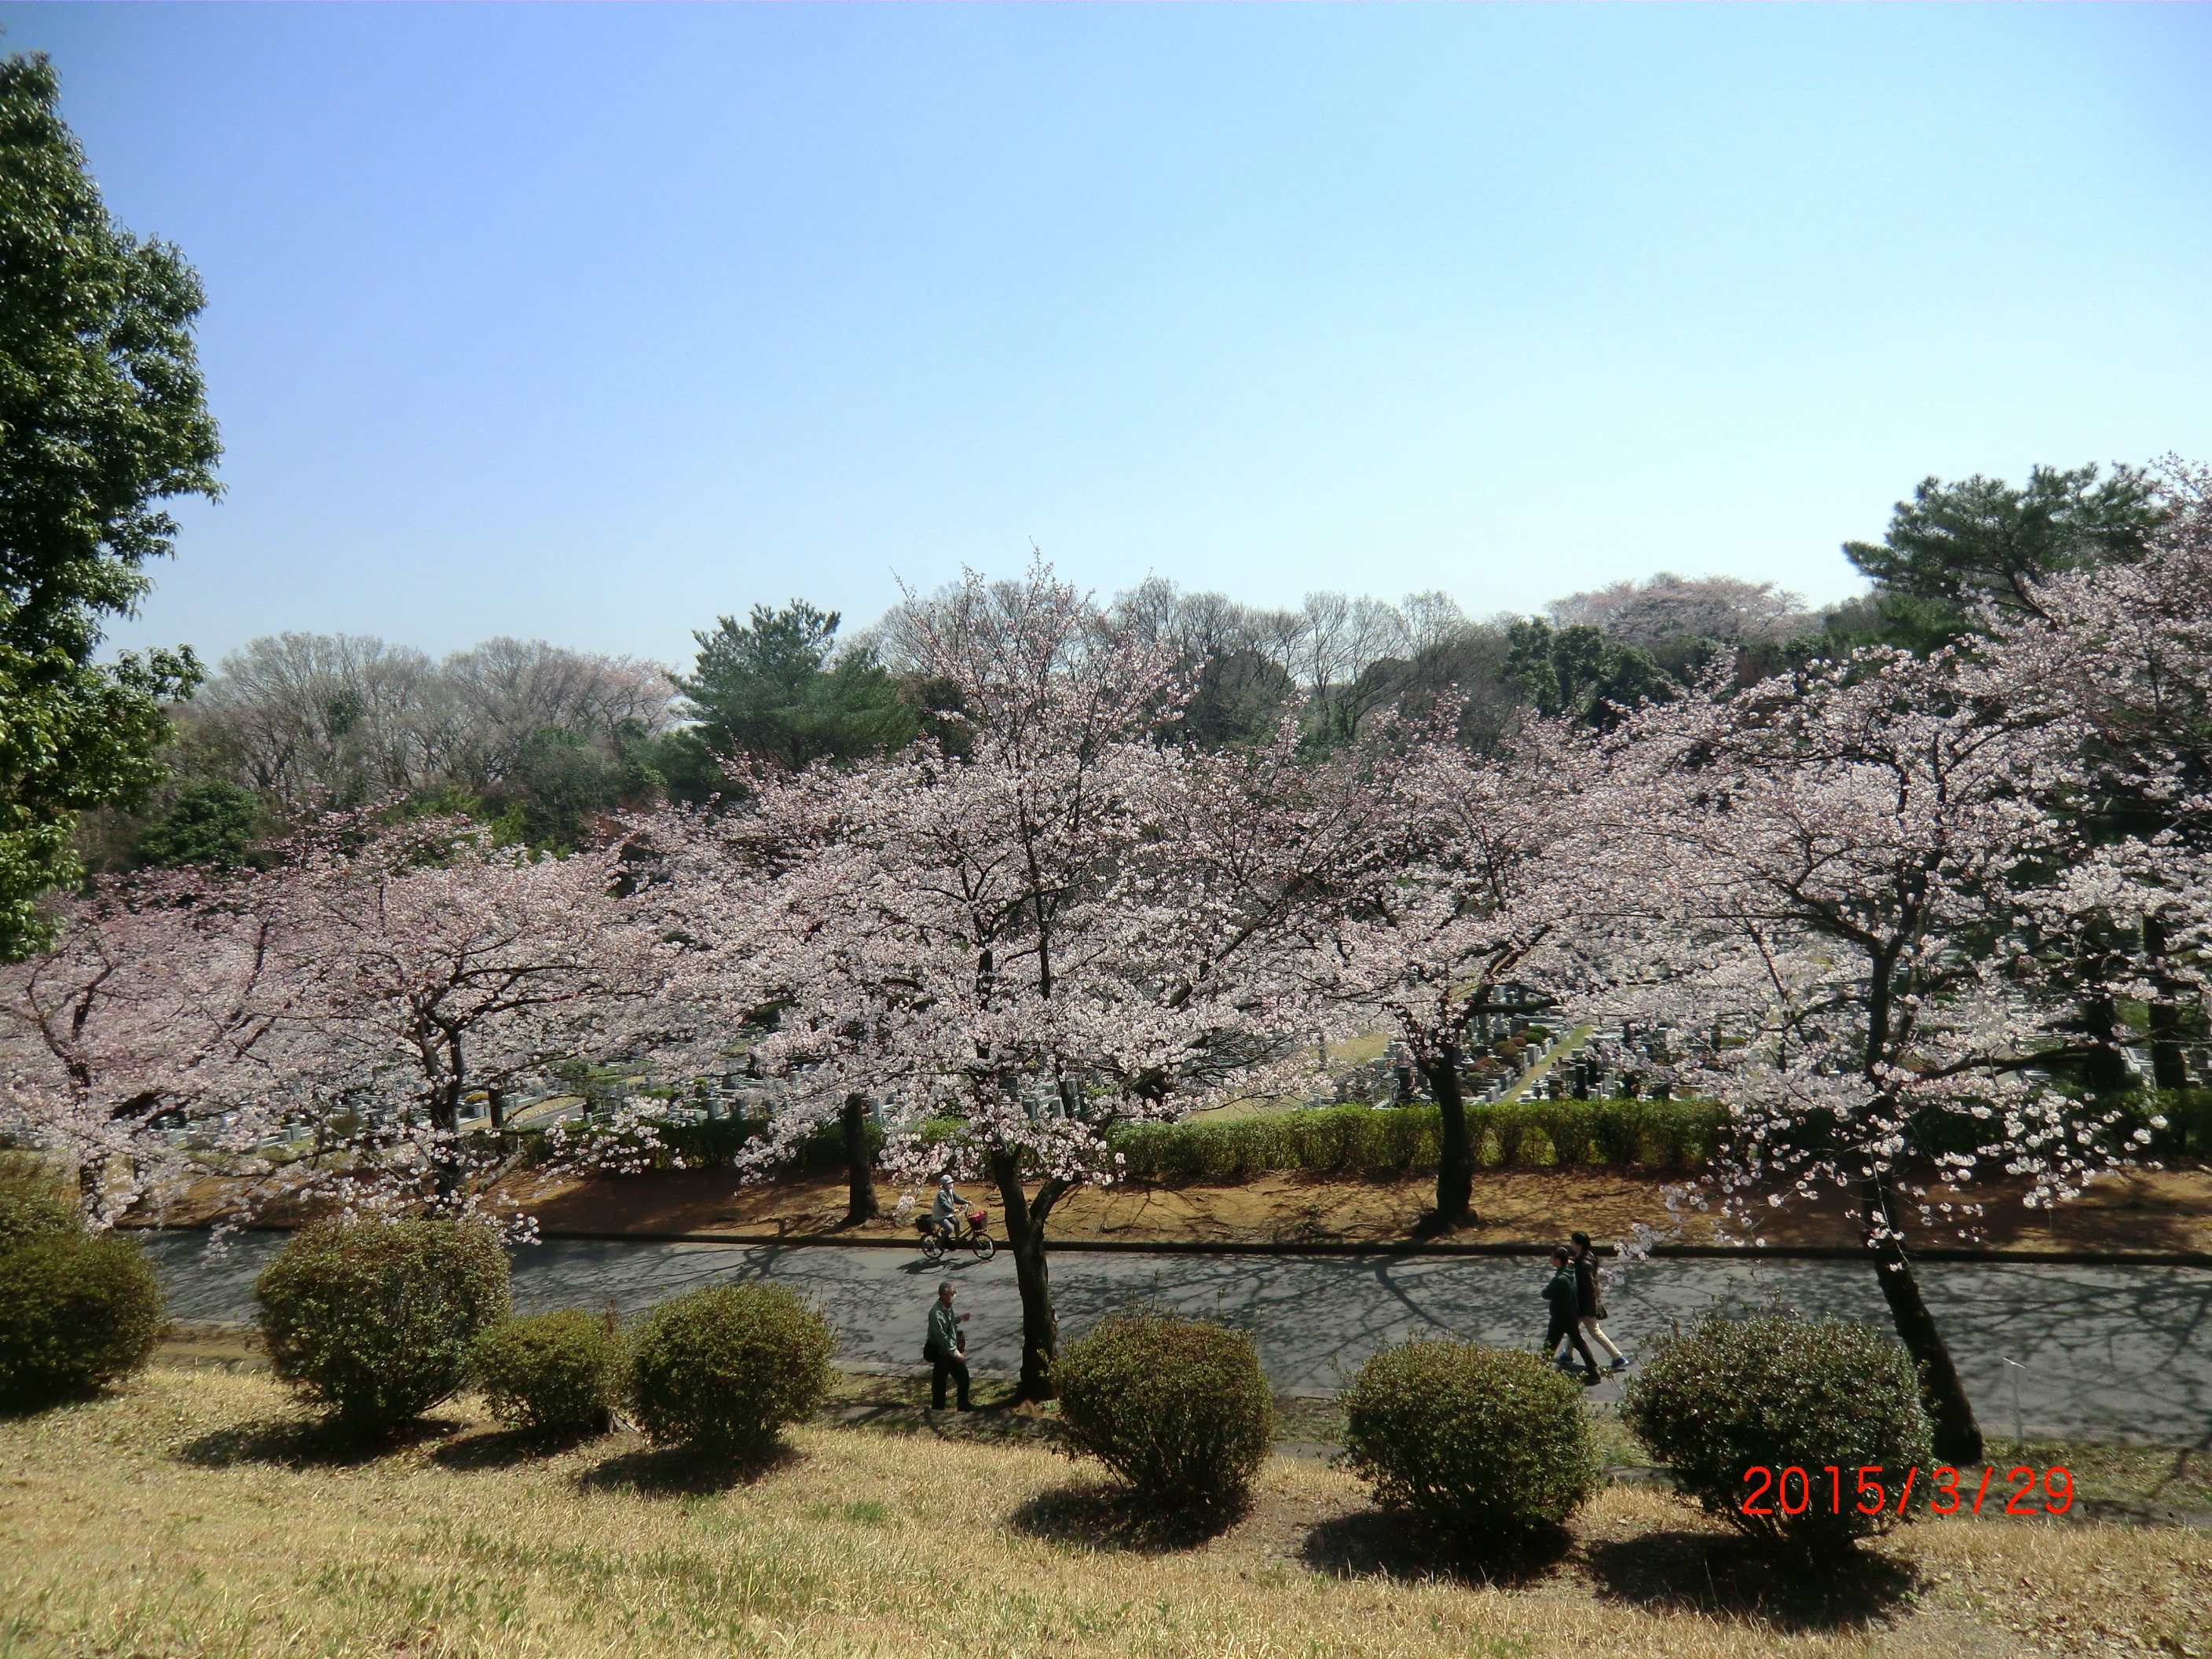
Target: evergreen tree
(101, 416)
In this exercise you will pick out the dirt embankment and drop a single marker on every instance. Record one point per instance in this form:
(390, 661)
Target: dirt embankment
(2156, 1210)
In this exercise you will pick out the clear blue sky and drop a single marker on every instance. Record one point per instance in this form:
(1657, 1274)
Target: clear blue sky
(592, 323)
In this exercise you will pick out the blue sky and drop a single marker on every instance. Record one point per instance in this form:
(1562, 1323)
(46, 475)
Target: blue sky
(592, 323)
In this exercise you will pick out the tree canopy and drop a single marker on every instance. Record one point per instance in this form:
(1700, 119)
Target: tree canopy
(1986, 543)
(775, 687)
(102, 417)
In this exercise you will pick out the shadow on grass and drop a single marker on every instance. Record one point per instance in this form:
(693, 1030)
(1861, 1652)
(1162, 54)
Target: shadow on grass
(299, 1443)
(1104, 1516)
(900, 1406)
(502, 1449)
(682, 1471)
(1723, 1576)
(39, 1403)
(1398, 1544)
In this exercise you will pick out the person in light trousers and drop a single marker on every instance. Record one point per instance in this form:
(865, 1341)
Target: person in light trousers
(1590, 1297)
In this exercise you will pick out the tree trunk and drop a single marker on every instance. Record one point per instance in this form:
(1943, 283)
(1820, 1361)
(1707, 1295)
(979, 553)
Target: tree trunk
(2105, 1071)
(2166, 1067)
(1456, 1147)
(860, 1204)
(1942, 1395)
(1025, 1235)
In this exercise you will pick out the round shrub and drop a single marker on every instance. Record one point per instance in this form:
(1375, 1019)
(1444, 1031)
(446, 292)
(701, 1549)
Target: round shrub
(724, 1368)
(1179, 1408)
(1476, 1440)
(75, 1312)
(554, 1373)
(376, 1320)
(1779, 1391)
(32, 1205)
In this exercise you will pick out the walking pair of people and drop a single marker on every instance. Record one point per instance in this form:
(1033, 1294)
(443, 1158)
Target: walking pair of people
(1577, 1304)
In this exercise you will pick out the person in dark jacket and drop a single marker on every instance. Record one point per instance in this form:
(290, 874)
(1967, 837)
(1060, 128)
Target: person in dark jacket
(1589, 1295)
(1566, 1312)
(945, 1348)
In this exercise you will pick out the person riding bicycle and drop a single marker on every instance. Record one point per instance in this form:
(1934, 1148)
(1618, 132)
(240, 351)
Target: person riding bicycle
(945, 1210)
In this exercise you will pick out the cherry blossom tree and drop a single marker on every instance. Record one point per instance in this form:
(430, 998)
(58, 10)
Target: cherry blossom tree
(1865, 888)
(2129, 646)
(356, 994)
(1007, 934)
(1469, 882)
(139, 1048)
(422, 964)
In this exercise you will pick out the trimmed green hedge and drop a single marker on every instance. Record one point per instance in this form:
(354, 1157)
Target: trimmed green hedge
(1658, 1135)
(725, 1369)
(76, 1311)
(1664, 1134)
(1177, 1407)
(376, 1320)
(714, 1144)
(1779, 1391)
(1476, 1440)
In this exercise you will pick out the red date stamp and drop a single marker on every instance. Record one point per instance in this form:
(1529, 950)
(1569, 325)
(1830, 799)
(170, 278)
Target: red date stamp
(1793, 1491)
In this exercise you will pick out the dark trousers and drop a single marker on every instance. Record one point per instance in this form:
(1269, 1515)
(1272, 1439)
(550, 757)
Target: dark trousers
(1572, 1329)
(954, 1366)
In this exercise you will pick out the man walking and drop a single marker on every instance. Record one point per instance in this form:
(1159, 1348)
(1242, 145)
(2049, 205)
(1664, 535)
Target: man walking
(1566, 1312)
(1589, 1298)
(945, 1348)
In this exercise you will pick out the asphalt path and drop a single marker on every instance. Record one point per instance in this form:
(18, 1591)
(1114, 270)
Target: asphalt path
(2111, 1353)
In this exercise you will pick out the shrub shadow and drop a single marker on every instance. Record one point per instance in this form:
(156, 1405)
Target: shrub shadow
(1720, 1576)
(1104, 1516)
(38, 1404)
(682, 1471)
(299, 1443)
(502, 1448)
(1398, 1544)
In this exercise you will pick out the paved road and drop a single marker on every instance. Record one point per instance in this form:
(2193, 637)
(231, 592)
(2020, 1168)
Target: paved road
(2118, 1352)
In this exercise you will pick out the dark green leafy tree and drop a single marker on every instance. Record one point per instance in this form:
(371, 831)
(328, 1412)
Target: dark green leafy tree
(1578, 671)
(1985, 542)
(1886, 616)
(773, 688)
(213, 825)
(561, 780)
(102, 417)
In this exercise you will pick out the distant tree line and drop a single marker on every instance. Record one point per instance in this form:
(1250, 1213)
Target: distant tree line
(545, 744)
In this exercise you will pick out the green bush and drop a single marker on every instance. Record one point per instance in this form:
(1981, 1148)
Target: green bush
(33, 1205)
(724, 1368)
(554, 1373)
(75, 1312)
(1779, 1391)
(1479, 1441)
(1662, 1133)
(376, 1320)
(1179, 1408)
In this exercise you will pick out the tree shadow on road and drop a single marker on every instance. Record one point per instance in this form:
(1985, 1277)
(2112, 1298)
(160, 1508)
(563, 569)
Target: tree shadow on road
(1720, 1577)
(1104, 1516)
(1398, 1544)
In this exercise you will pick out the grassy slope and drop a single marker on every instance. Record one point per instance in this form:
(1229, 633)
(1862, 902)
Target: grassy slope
(190, 1514)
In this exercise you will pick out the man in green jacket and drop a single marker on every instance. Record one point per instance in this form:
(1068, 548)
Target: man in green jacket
(945, 1348)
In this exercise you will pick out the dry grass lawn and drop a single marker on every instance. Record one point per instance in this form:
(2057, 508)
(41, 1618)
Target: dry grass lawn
(194, 1513)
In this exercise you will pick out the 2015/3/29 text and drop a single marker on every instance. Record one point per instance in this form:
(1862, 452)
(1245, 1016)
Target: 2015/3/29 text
(1771, 1493)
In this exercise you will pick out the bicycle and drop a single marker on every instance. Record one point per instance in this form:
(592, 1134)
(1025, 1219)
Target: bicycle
(935, 1244)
